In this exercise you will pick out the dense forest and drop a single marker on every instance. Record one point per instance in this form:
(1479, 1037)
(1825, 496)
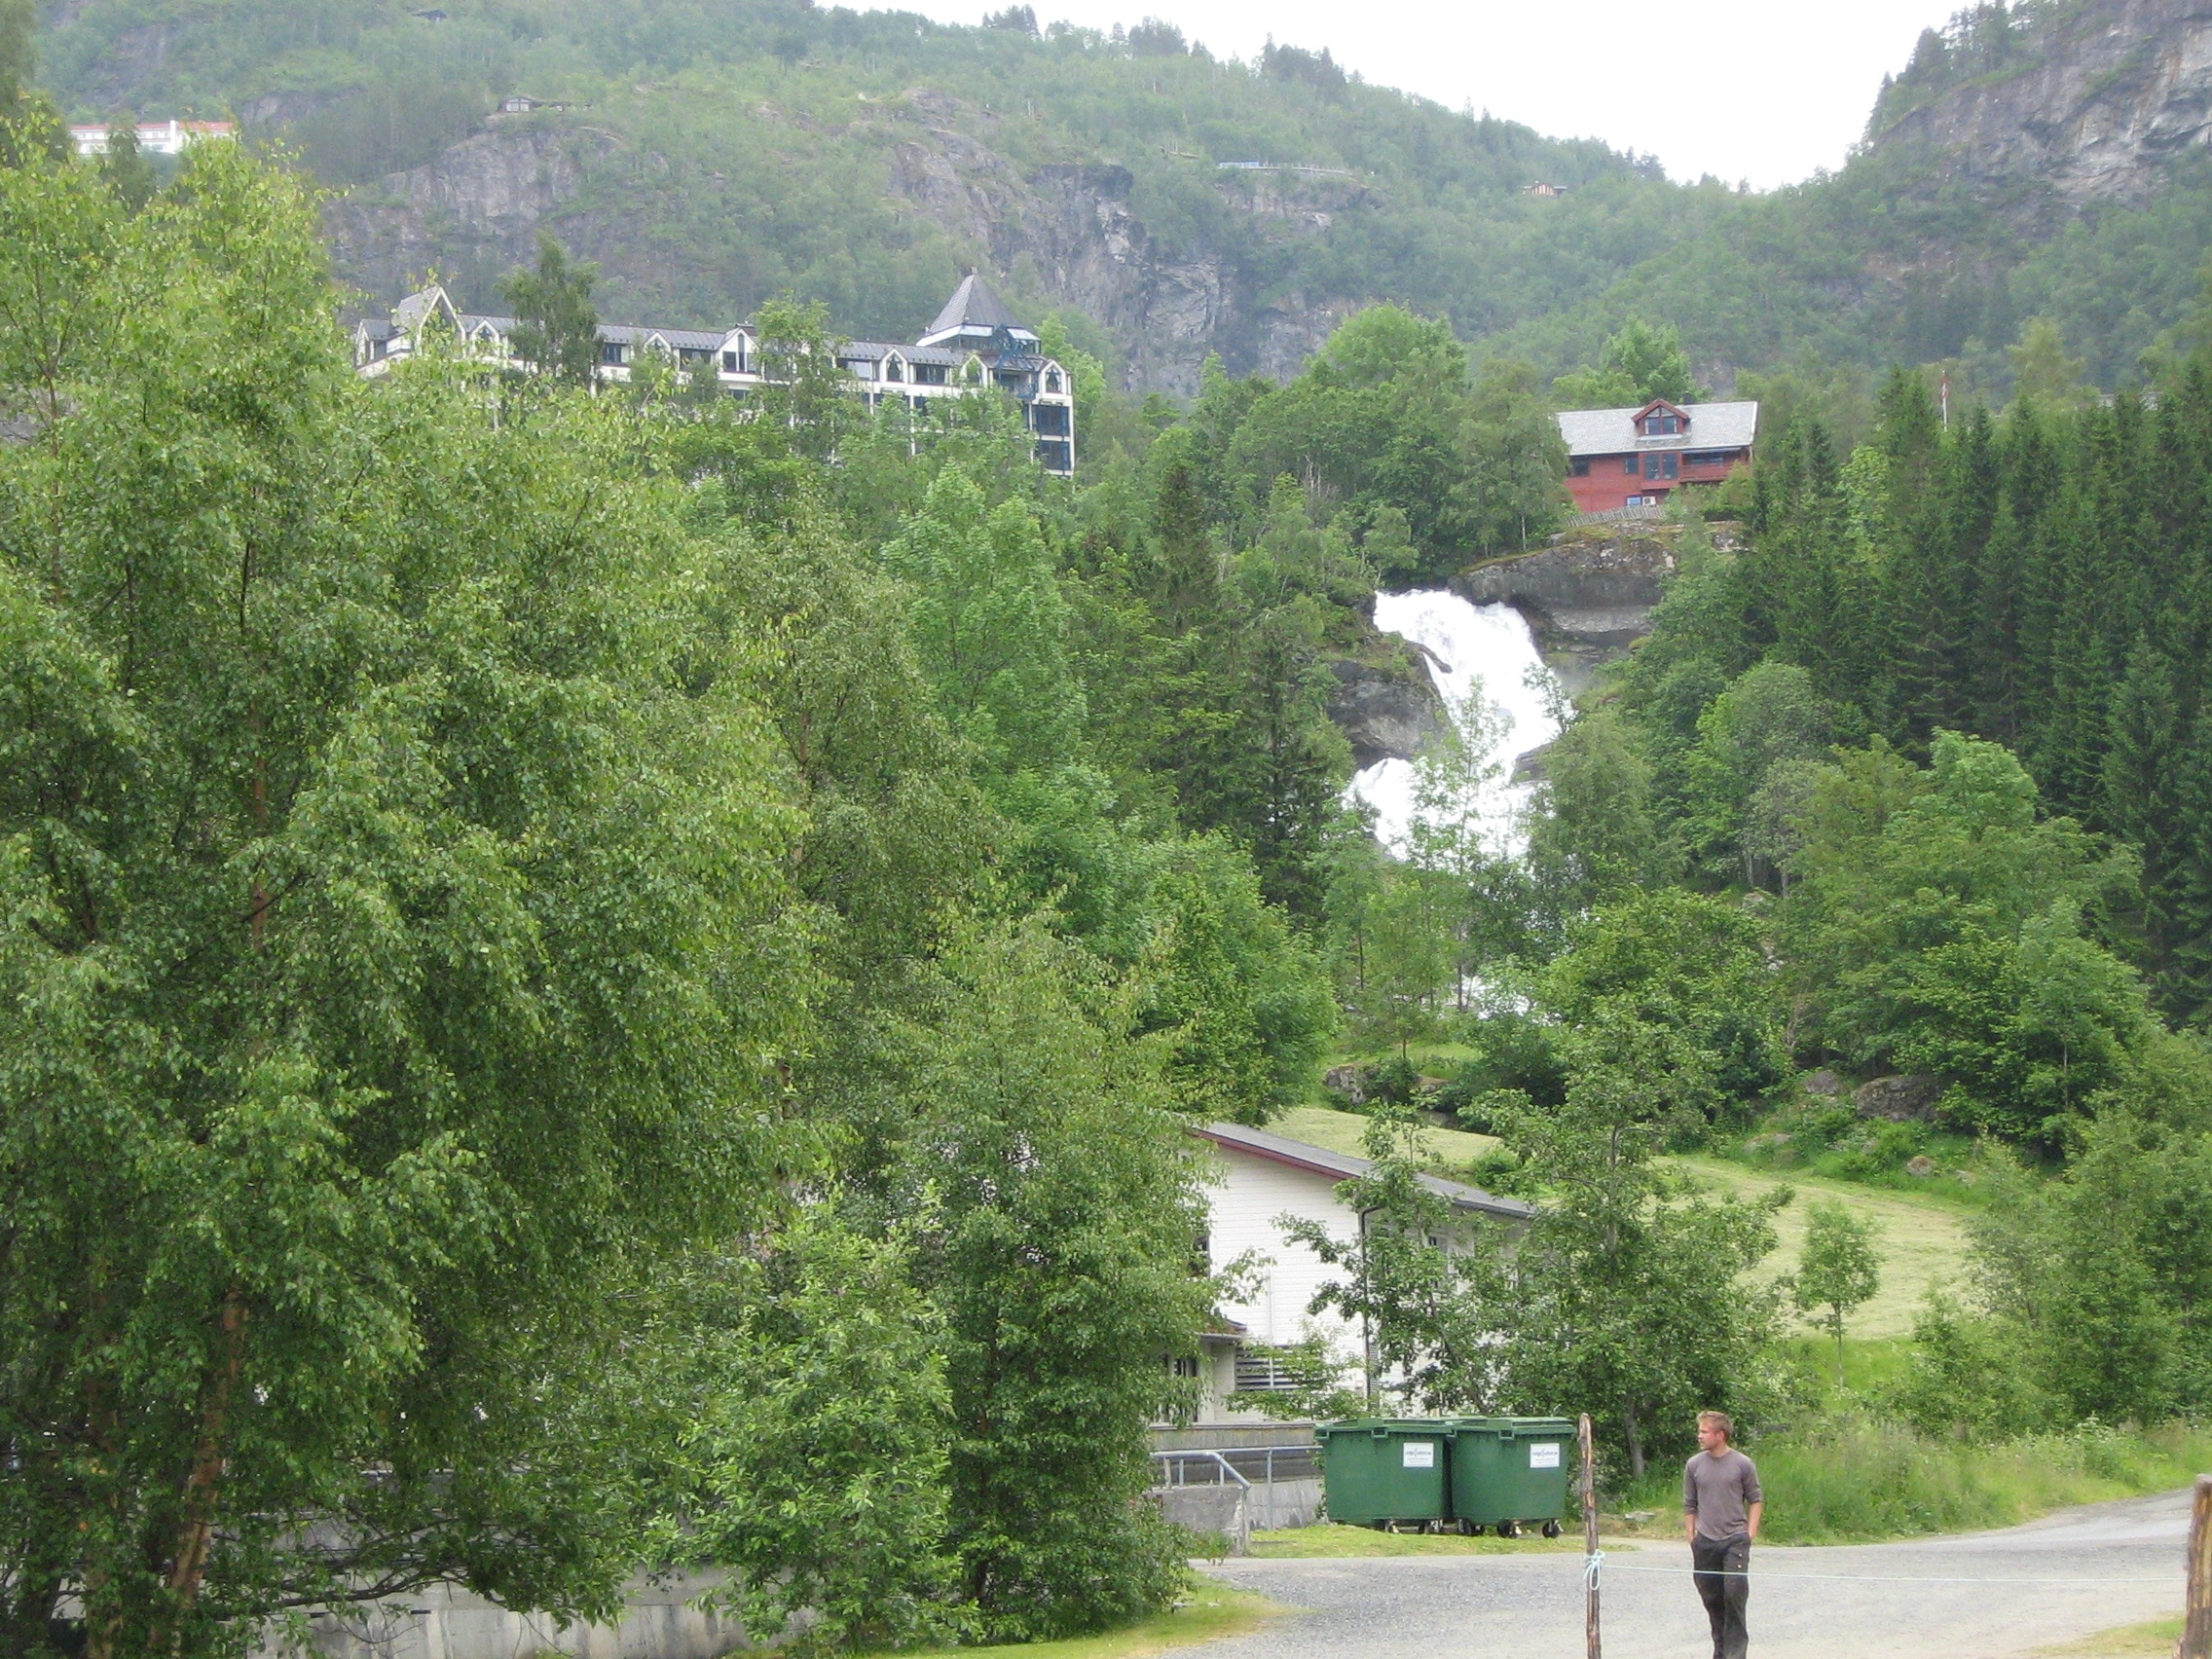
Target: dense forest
(603, 977)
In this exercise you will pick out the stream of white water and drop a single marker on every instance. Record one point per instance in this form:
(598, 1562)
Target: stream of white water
(1484, 648)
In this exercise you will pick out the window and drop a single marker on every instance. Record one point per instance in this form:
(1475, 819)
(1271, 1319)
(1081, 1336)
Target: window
(928, 374)
(1051, 379)
(1048, 419)
(729, 362)
(1658, 466)
(1662, 426)
(1710, 457)
(1629, 465)
(1185, 1366)
(894, 370)
(1579, 466)
(1268, 1371)
(1013, 380)
(611, 351)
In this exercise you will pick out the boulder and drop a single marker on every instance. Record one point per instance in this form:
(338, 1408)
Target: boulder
(1348, 1081)
(1921, 1165)
(1822, 1082)
(1909, 1098)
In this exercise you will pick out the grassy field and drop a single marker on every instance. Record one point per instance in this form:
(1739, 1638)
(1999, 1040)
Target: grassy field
(1208, 1609)
(1341, 1131)
(1923, 1241)
(1862, 1482)
(2129, 1640)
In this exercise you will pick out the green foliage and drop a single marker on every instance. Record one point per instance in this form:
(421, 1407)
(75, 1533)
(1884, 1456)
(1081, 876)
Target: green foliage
(1940, 927)
(557, 330)
(1839, 1269)
(1641, 362)
(399, 951)
(1063, 1217)
(816, 1462)
(990, 623)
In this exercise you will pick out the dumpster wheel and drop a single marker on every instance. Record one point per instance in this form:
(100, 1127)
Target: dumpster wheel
(1509, 1528)
(1552, 1528)
(1471, 1529)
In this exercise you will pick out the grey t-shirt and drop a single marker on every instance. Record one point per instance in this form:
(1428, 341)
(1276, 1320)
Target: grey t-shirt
(1720, 1491)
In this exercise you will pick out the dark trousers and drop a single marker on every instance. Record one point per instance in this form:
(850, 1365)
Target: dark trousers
(1720, 1565)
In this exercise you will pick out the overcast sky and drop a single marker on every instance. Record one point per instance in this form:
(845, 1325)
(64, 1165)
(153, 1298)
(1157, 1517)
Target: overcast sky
(1759, 89)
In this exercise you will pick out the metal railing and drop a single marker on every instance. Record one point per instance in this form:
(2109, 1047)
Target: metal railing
(1269, 1463)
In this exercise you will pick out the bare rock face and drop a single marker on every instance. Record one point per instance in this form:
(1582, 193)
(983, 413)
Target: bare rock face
(477, 208)
(1386, 713)
(2093, 112)
(1823, 1083)
(1907, 1099)
(1588, 598)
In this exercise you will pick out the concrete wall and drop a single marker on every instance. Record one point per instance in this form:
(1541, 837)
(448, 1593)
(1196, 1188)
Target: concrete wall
(452, 1624)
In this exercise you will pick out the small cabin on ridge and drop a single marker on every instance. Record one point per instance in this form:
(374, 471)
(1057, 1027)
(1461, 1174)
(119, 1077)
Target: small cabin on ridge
(1637, 458)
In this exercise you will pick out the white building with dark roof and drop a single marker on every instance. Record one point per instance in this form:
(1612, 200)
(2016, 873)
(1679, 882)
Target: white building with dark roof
(977, 345)
(1261, 1179)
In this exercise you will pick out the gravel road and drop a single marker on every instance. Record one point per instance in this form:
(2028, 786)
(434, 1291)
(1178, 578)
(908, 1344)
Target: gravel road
(1530, 1608)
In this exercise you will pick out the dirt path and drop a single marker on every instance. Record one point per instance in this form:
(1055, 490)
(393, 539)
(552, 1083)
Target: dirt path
(2120, 1564)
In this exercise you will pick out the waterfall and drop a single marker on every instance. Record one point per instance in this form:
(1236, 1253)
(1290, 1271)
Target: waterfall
(1469, 648)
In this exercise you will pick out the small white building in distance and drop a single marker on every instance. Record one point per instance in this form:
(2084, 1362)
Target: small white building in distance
(1260, 1179)
(155, 138)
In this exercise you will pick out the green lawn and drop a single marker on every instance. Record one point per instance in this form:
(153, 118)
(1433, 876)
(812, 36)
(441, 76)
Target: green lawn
(2155, 1638)
(1923, 1241)
(1208, 1609)
(1341, 1131)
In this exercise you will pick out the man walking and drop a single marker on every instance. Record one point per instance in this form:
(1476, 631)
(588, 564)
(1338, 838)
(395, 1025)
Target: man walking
(1722, 1506)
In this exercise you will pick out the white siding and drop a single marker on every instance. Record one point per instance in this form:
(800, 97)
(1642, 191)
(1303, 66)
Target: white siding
(1249, 1193)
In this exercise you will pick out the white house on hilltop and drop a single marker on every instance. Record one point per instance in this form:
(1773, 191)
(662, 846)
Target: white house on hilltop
(1260, 1178)
(974, 346)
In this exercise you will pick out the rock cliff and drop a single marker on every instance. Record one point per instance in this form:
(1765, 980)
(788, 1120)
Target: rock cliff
(1588, 596)
(2091, 102)
(1387, 707)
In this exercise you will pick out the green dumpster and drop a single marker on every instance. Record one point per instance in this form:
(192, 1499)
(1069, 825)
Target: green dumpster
(1509, 1472)
(1384, 1471)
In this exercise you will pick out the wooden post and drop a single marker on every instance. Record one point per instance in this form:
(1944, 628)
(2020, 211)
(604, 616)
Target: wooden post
(1590, 1636)
(2196, 1628)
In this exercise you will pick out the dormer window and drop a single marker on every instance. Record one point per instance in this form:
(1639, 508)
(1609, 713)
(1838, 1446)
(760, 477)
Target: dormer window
(1051, 379)
(1662, 426)
(894, 369)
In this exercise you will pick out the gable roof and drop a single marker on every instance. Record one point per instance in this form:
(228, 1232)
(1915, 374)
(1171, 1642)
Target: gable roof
(1320, 1160)
(974, 304)
(1612, 431)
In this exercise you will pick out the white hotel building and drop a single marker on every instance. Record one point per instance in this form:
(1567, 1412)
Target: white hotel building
(976, 345)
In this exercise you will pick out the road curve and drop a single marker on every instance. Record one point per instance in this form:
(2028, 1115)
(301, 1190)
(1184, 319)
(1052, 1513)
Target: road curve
(2051, 1581)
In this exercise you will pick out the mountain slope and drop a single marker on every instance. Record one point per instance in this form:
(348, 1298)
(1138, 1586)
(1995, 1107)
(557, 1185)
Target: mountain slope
(716, 155)
(2042, 160)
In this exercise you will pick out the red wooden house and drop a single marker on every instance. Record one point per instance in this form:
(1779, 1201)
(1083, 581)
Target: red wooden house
(1636, 458)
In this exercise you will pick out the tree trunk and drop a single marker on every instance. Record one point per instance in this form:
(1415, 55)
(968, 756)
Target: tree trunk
(197, 1531)
(1635, 1439)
